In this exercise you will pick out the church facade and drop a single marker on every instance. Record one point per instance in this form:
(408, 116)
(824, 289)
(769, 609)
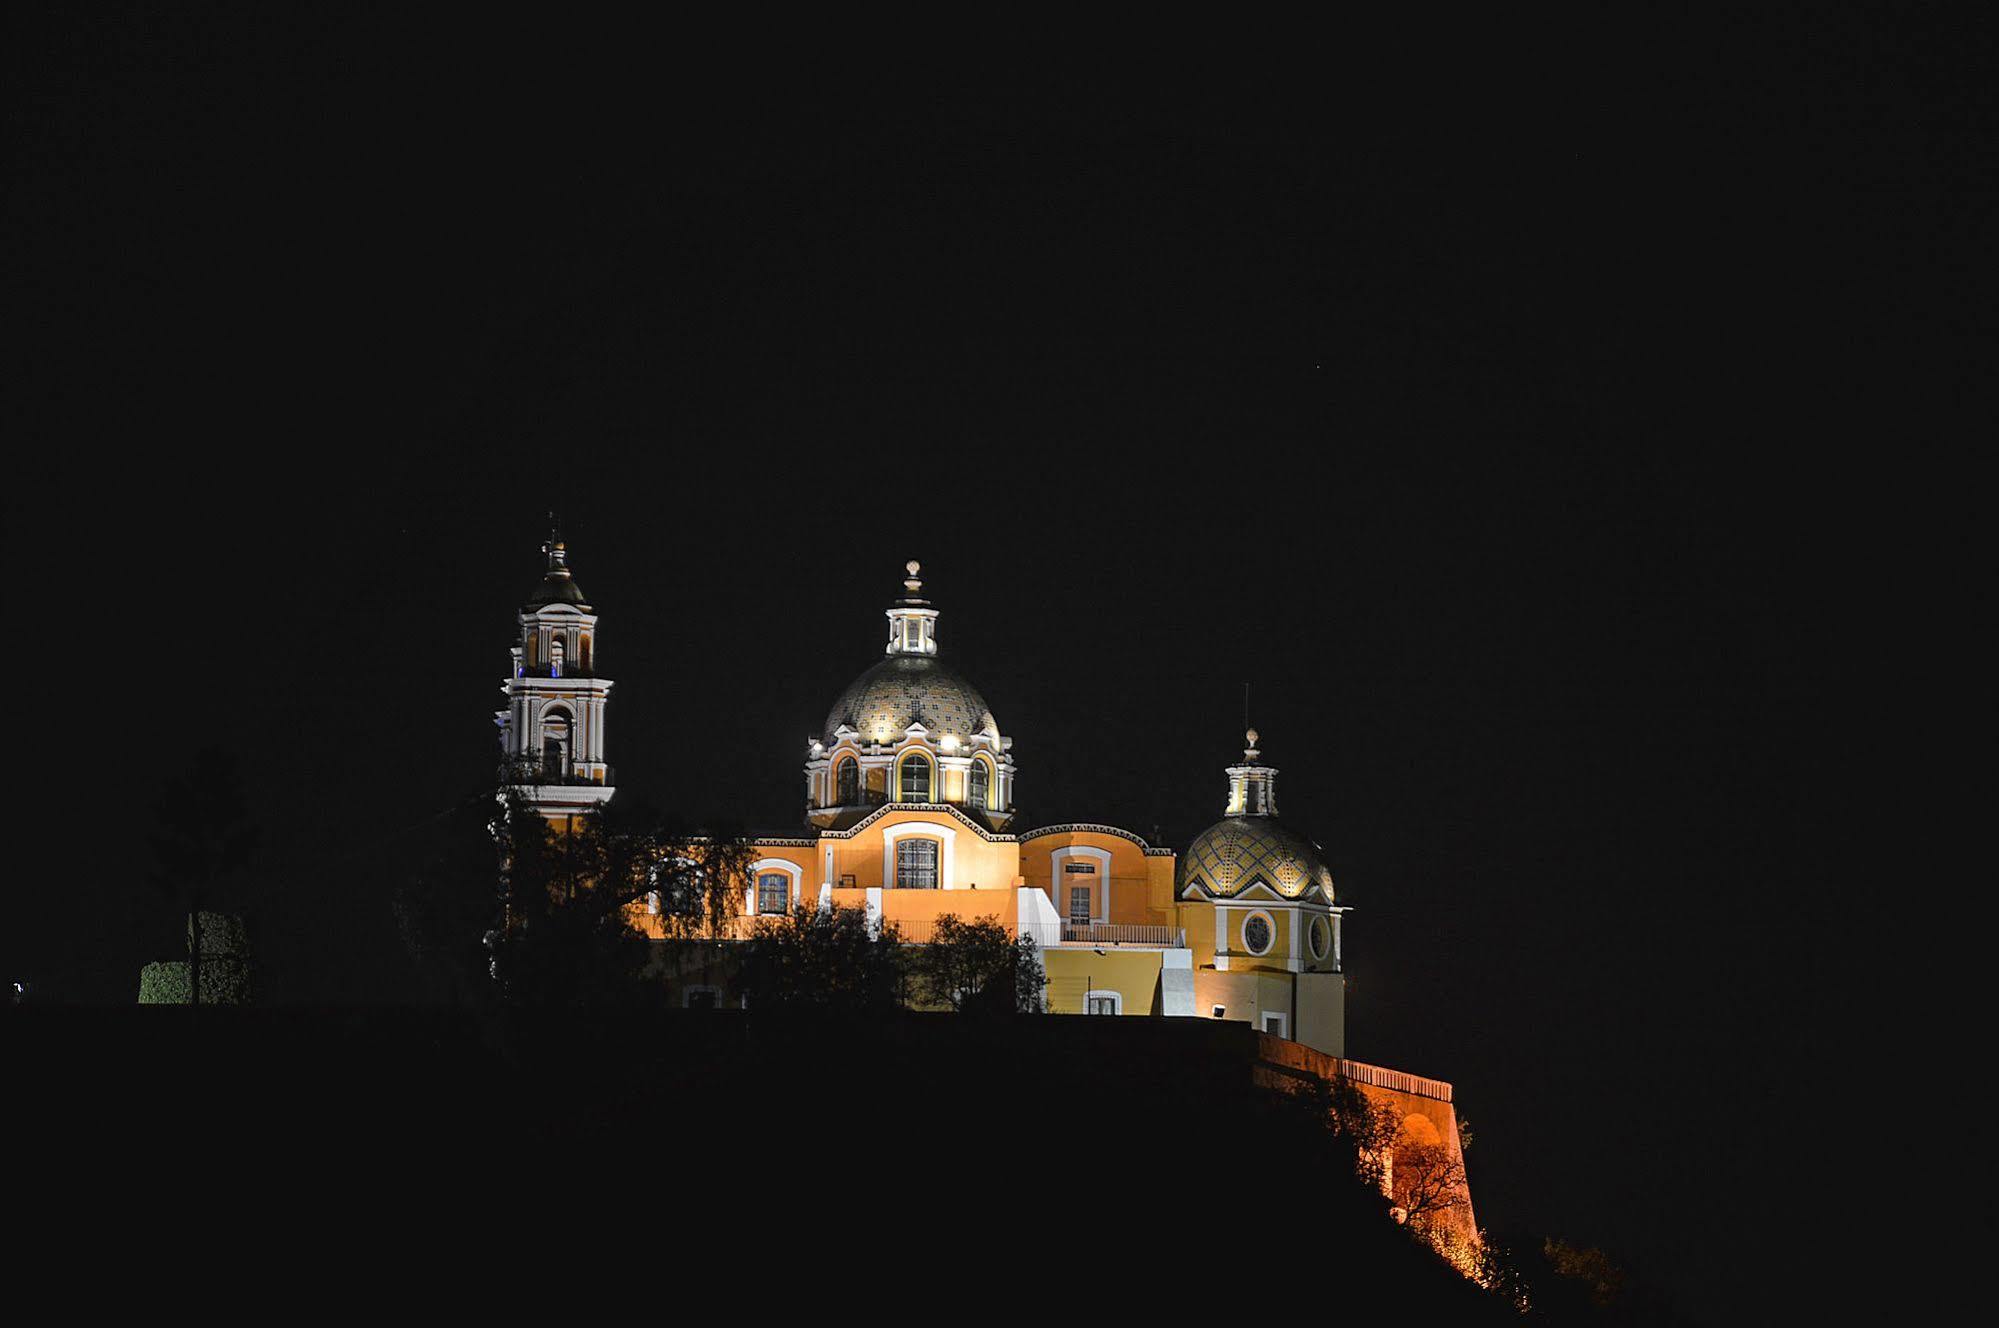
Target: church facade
(910, 814)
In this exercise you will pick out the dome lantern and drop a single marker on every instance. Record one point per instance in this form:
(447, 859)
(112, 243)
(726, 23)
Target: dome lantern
(1252, 785)
(912, 623)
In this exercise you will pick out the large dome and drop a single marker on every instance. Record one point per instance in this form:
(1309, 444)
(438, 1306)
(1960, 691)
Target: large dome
(1236, 850)
(903, 689)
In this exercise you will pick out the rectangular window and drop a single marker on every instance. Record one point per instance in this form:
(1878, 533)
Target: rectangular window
(773, 893)
(1103, 1005)
(1275, 1024)
(1079, 905)
(916, 864)
(1079, 869)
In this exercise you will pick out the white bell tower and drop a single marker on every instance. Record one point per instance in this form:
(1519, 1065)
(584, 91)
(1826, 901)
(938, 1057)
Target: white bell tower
(552, 729)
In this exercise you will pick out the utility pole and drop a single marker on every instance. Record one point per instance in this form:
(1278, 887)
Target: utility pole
(194, 945)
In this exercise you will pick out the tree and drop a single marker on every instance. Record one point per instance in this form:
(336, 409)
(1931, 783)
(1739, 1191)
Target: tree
(823, 959)
(533, 915)
(1362, 1126)
(1428, 1182)
(570, 899)
(1579, 1275)
(202, 842)
(448, 908)
(979, 967)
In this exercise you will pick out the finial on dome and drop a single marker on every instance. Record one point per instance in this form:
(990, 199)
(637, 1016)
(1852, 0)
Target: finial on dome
(558, 556)
(912, 584)
(1250, 751)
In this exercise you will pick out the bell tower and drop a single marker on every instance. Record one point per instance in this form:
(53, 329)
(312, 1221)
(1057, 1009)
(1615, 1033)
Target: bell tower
(552, 729)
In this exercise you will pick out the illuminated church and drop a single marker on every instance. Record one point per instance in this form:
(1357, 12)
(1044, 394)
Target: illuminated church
(909, 801)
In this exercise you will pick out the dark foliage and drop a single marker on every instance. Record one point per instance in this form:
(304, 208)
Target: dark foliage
(202, 837)
(978, 967)
(515, 912)
(823, 959)
(829, 1123)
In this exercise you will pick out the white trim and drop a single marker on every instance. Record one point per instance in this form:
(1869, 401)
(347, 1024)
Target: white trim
(947, 875)
(1090, 827)
(1100, 900)
(1283, 1028)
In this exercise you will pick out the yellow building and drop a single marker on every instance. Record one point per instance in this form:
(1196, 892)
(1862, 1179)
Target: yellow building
(910, 815)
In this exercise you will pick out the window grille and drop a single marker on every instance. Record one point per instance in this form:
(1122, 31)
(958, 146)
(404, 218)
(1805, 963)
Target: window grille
(916, 864)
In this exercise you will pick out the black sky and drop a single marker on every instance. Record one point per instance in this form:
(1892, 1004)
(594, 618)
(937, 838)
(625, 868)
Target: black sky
(1503, 409)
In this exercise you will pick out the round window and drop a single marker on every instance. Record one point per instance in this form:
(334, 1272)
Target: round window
(1322, 937)
(1256, 934)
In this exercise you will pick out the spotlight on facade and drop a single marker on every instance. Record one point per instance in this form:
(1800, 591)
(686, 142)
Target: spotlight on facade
(1220, 1010)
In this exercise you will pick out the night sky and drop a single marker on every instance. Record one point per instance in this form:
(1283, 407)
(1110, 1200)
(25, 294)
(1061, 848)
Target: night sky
(1507, 412)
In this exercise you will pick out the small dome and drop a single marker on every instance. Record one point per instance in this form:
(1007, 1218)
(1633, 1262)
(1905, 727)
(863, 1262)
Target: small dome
(1237, 850)
(557, 589)
(903, 689)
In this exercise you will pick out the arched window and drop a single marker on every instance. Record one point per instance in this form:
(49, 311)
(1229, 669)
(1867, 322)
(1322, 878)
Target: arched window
(978, 790)
(555, 743)
(915, 781)
(848, 783)
(555, 658)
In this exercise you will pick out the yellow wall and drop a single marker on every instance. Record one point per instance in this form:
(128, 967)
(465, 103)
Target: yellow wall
(1248, 994)
(975, 860)
(917, 911)
(1134, 974)
(1135, 893)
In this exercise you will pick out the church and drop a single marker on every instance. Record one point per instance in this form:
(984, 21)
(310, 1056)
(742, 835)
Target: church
(910, 814)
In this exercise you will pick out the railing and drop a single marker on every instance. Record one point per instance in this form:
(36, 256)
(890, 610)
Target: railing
(534, 773)
(1382, 1077)
(743, 926)
(1124, 933)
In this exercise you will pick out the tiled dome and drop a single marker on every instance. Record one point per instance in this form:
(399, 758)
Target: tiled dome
(903, 689)
(1236, 850)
